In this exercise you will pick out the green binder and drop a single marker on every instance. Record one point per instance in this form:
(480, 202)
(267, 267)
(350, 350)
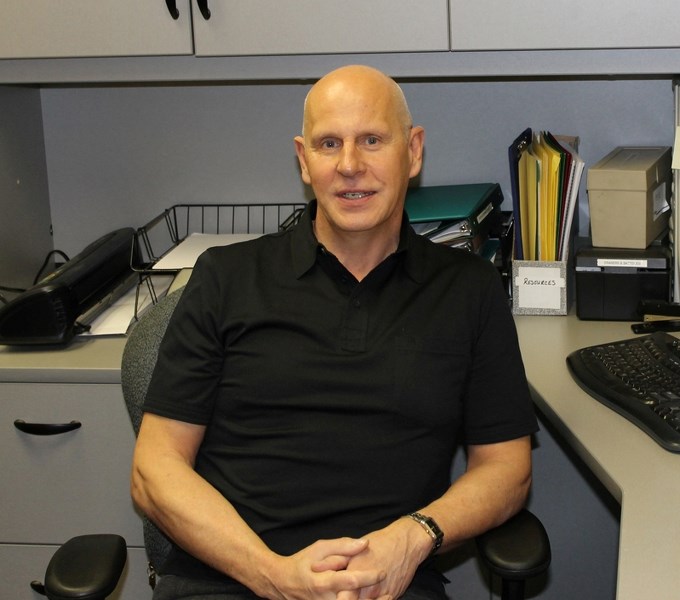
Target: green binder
(454, 211)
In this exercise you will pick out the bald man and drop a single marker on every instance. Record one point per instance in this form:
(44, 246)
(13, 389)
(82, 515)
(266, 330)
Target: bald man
(314, 385)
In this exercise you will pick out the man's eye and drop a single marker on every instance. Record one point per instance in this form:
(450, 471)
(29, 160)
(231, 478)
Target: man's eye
(329, 144)
(372, 140)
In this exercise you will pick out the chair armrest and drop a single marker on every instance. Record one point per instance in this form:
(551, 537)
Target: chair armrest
(517, 549)
(86, 567)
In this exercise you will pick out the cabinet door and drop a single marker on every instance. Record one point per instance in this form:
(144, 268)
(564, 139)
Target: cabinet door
(57, 486)
(244, 27)
(577, 24)
(80, 28)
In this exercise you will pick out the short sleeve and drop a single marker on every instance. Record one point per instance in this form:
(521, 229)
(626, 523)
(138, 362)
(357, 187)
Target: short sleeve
(498, 404)
(190, 357)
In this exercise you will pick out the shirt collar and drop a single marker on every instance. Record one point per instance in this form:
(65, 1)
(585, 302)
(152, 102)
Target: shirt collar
(305, 245)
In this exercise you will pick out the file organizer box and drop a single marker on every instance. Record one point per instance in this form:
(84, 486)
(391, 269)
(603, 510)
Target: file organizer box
(629, 193)
(540, 287)
(610, 282)
(167, 230)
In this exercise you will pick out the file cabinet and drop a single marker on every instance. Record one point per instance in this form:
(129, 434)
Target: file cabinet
(57, 486)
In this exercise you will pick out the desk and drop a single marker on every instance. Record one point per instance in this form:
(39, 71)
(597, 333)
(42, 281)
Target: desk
(643, 477)
(85, 360)
(55, 487)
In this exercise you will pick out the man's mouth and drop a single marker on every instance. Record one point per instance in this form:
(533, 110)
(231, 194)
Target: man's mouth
(356, 195)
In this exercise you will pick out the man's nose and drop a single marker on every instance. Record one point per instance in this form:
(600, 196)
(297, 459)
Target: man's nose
(350, 161)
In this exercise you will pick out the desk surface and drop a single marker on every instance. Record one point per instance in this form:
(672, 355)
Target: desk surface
(641, 475)
(84, 360)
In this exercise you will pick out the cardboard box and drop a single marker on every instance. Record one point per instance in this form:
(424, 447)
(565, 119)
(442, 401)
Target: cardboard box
(629, 194)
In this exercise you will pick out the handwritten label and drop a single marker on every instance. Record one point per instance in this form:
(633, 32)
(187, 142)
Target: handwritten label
(539, 287)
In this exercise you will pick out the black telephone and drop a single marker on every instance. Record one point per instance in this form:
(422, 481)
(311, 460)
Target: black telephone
(48, 312)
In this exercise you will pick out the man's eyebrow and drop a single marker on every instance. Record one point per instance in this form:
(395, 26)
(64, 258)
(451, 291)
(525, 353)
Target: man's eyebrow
(382, 134)
(321, 135)
(378, 131)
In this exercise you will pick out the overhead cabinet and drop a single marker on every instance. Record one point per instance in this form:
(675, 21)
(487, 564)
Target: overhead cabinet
(98, 28)
(220, 28)
(92, 28)
(578, 24)
(257, 27)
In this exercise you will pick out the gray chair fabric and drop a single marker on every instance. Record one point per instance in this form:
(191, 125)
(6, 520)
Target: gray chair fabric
(139, 359)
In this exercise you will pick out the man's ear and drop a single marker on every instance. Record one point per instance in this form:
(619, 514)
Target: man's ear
(300, 151)
(416, 145)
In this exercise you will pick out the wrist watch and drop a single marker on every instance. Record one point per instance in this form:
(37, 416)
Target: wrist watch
(431, 527)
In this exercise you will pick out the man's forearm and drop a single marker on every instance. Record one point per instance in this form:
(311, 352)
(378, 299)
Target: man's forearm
(493, 488)
(192, 513)
(200, 520)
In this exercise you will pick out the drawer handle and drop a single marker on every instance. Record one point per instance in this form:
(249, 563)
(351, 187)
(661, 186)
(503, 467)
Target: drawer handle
(38, 586)
(46, 428)
(172, 9)
(203, 7)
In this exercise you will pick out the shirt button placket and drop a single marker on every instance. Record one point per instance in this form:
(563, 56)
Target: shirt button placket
(355, 327)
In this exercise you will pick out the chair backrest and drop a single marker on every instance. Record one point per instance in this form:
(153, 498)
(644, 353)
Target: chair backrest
(138, 362)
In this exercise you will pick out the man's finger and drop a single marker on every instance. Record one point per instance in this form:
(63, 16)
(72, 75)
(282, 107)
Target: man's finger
(355, 580)
(335, 562)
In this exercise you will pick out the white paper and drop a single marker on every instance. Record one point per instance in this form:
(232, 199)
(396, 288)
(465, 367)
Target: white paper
(539, 287)
(184, 255)
(676, 149)
(116, 319)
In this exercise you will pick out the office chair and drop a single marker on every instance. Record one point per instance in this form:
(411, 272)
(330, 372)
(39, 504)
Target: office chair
(87, 567)
(514, 551)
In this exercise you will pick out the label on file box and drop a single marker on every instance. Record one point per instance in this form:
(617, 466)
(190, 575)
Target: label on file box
(539, 287)
(631, 263)
(622, 260)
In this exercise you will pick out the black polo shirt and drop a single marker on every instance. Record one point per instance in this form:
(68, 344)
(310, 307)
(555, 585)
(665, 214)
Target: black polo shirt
(334, 406)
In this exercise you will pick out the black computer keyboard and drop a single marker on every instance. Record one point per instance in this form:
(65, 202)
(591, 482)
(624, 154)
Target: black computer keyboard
(639, 378)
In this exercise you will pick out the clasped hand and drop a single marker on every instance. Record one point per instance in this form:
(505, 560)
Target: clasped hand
(380, 566)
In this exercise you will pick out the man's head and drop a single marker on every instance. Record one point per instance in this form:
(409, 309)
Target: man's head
(358, 151)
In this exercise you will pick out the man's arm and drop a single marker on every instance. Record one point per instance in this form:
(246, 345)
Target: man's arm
(493, 488)
(193, 513)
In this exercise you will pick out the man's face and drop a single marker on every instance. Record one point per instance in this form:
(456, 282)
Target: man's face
(358, 154)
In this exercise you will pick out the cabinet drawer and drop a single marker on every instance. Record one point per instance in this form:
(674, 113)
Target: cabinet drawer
(19, 565)
(58, 486)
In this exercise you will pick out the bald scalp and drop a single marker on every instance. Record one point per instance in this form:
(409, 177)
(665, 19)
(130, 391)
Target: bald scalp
(359, 75)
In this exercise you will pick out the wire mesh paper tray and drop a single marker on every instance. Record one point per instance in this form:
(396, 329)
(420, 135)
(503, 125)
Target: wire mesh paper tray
(166, 231)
